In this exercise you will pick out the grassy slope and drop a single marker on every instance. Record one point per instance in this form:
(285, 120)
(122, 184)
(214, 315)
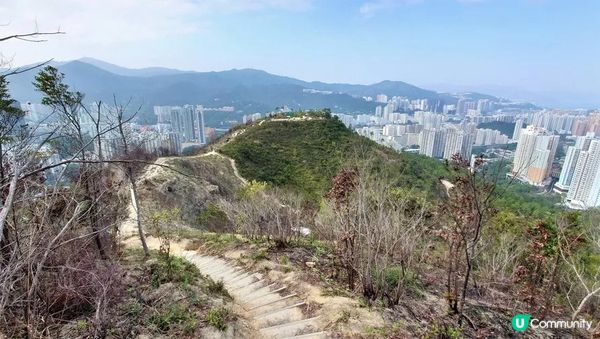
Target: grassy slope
(306, 155)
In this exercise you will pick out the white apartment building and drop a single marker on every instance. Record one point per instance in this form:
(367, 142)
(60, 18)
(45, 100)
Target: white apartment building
(534, 155)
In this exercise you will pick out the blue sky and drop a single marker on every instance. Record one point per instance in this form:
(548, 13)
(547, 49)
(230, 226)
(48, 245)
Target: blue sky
(534, 46)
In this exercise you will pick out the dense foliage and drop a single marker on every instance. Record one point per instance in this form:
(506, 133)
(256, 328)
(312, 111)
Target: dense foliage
(307, 154)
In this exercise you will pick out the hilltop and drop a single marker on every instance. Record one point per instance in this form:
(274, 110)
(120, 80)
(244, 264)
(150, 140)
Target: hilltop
(305, 154)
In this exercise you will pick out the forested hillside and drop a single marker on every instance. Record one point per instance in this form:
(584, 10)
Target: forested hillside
(307, 154)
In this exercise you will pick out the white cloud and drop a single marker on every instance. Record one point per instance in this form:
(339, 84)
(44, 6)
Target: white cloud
(93, 25)
(369, 8)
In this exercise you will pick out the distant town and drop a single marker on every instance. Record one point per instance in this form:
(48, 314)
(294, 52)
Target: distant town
(538, 134)
(555, 150)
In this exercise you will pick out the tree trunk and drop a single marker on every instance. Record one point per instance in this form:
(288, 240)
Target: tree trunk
(134, 201)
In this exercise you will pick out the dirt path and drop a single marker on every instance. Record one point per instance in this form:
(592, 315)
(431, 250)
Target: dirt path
(273, 311)
(231, 161)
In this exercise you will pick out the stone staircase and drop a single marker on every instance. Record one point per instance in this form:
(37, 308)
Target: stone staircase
(274, 311)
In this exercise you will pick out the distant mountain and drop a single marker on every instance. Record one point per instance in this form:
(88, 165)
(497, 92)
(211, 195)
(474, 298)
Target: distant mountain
(248, 90)
(135, 72)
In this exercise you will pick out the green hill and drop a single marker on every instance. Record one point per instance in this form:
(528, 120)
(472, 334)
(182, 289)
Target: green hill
(307, 154)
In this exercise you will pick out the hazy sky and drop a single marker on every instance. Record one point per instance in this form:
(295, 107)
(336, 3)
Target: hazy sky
(536, 45)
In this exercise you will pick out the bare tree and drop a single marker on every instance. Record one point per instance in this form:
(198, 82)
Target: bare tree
(470, 207)
(585, 285)
(261, 212)
(129, 171)
(378, 231)
(69, 106)
(35, 36)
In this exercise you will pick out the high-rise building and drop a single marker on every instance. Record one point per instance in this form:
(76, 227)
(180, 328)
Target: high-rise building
(458, 142)
(187, 119)
(484, 105)
(200, 124)
(163, 114)
(387, 110)
(432, 142)
(382, 98)
(579, 127)
(534, 155)
(176, 120)
(517, 130)
(584, 189)
(571, 158)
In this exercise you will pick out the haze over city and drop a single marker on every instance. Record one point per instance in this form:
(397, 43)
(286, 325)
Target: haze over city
(541, 51)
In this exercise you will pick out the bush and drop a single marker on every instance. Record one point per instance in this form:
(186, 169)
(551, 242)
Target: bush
(394, 277)
(443, 331)
(217, 318)
(173, 269)
(175, 316)
(213, 219)
(217, 288)
(260, 255)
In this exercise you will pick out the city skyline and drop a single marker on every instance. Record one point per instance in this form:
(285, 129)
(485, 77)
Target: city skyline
(488, 46)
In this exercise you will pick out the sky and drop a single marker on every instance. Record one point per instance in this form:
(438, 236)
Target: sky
(533, 47)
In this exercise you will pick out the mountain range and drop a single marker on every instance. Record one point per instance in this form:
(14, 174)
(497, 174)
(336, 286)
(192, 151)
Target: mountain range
(248, 90)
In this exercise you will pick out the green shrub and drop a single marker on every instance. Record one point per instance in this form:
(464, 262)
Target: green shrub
(175, 316)
(134, 309)
(284, 260)
(259, 255)
(173, 269)
(217, 288)
(409, 279)
(393, 277)
(212, 218)
(217, 318)
(443, 331)
(192, 296)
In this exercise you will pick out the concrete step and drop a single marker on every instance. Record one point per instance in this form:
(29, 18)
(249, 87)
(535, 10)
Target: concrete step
(280, 316)
(245, 288)
(255, 297)
(241, 283)
(271, 302)
(314, 335)
(295, 328)
(274, 314)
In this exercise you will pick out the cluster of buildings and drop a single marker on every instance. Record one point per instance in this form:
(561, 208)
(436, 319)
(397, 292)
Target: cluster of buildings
(186, 122)
(177, 127)
(249, 118)
(429, 133)
(580, 174)
(397, 103)
(414, 126)
(534, 161)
